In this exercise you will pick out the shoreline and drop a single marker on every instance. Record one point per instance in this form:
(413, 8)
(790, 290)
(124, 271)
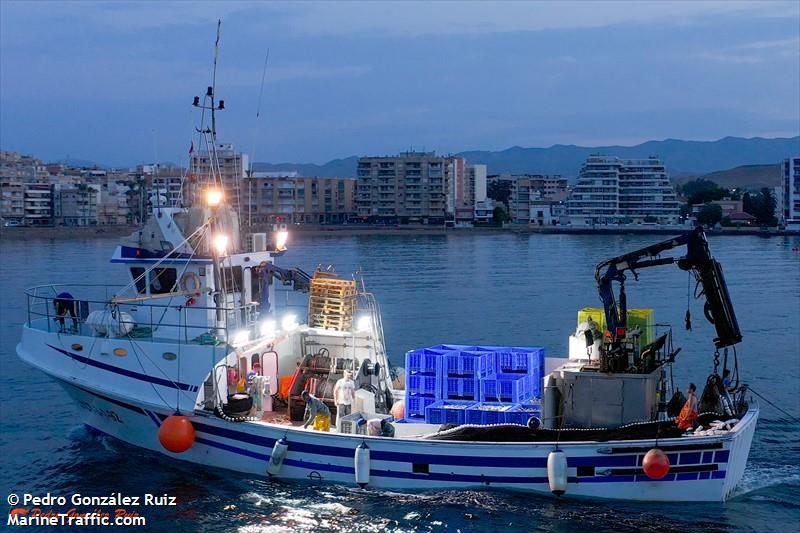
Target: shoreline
(25, 233)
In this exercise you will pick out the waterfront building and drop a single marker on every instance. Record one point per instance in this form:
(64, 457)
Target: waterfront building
(12, 200)
(469, 190)
(791, 192)
(484, 211)
(419, 188)
(38, 204)
(271, 198)
(168, 184)
(531, 193)
(407, 188)
(728, 206)
(233, 167)
(112, 205)
(76, 205)
(611, 190)
(550, 187)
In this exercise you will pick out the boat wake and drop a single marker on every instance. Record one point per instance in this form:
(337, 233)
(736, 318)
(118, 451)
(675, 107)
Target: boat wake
(758, 477)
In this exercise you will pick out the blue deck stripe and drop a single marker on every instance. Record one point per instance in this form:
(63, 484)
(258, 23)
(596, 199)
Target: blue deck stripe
(525, 462)
(126, 372)
(233, 449)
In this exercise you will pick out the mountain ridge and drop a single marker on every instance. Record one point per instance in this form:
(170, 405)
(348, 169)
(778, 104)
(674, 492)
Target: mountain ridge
(681, 157)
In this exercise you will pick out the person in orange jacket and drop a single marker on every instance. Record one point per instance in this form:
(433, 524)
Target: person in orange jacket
(689, 413)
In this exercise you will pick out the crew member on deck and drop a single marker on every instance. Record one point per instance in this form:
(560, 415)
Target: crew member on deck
(689, 412)
(726, 380)
(344, 394)
(316, 412)
(65, 305)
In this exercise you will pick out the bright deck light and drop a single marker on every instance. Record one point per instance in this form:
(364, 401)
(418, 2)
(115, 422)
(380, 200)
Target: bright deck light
(289, 323)
(241, 337)
(363, 323)
(213, 197)
(221, 243)
(280, 240)
(268, 328)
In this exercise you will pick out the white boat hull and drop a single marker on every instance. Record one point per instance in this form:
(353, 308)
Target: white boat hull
(702, 468)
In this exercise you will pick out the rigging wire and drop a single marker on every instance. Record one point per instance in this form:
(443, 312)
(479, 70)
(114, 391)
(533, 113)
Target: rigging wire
(253, 150)
(794, 418)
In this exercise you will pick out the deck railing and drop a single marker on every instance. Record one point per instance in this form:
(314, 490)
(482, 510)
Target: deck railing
(150, 318)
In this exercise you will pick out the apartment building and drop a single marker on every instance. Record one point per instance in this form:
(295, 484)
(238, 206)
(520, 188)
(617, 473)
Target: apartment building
(12, 200)
(76, 205)
(468, 190)
(407, 188)
(532, 195)
(232, 170)
(38, 204)
(269, 198)
(791, 192)
(611, 190)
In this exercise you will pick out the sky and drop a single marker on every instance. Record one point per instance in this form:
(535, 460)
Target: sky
(113, 82)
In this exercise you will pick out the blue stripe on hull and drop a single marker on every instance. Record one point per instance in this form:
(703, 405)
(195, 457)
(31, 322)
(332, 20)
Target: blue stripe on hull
(125, 372)
(431, 459)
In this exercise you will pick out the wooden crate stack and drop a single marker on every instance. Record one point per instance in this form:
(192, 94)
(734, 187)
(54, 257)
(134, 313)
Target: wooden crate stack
(331, 302)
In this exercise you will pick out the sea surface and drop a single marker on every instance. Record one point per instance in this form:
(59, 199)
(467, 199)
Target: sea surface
(460, 288)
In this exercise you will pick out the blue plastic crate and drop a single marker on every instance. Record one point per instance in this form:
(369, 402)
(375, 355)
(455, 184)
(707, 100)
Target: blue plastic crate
(469, 363)
(520, 413)
(423, 384)
(447, 412)
(415, 406)
(456, 348)
(520, 360)
(506, 387)
(458, 388)
(424, 361)
(484, 417)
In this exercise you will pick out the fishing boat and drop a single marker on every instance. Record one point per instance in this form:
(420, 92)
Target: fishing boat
(193, 359)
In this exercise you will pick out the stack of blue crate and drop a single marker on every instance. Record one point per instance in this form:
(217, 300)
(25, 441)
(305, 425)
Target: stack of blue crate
(423, 381)
(456, 373)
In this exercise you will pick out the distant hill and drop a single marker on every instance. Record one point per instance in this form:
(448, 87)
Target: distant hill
(336, 168)
(681, 157)
(742, 177)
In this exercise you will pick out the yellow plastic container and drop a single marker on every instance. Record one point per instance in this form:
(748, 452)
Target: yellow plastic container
(644, 319)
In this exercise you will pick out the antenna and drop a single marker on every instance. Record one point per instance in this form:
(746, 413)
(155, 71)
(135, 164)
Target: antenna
(253, 151)
(210, 95)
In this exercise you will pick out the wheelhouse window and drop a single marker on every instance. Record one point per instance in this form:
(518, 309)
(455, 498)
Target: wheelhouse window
(162, 280)
(137, 274)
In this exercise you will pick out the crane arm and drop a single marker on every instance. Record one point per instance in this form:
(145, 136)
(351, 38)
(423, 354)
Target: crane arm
(718, 308)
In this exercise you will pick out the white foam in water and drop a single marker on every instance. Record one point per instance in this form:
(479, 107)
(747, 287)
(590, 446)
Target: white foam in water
(336, 508)
(758, 477)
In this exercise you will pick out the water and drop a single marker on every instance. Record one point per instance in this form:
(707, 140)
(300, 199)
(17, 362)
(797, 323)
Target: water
(490, 289)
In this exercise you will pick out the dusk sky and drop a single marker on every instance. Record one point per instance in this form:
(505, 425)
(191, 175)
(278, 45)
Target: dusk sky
(113, 82)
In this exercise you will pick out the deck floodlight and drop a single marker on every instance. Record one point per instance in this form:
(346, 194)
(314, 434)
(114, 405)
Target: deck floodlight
(280, 240)
(221, 243)
(268, 328)
(241, 337)
(363, 323)
(213, 197)
(289, 323)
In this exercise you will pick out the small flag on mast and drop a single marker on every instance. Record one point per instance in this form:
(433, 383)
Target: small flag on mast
(191, 148)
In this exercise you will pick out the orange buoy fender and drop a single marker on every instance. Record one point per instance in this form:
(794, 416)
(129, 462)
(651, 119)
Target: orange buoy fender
(655, 464)
(398, 410)
(176, 434)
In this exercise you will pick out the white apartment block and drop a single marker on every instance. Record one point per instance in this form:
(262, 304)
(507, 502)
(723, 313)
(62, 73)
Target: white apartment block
(611, 190)
(791, 192)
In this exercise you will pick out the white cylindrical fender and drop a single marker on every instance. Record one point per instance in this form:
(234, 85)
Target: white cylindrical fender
(277, 456)
(362, 465)
(557, 472)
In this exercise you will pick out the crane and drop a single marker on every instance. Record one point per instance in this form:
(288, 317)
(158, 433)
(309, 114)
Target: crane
(718, 307)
